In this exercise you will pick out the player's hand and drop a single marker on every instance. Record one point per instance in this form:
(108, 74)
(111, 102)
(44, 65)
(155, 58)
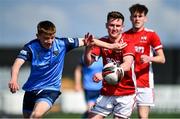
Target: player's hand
(145, 59)
(88, 40)
(97, 77)
(13, 86)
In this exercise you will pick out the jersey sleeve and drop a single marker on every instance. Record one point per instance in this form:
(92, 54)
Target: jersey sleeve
(95, 52)
(25, 53)
(71, 43)
(155, 41)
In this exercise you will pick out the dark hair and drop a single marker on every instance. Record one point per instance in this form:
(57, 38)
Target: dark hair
(138, 8)
(115, 15)
(46, 27)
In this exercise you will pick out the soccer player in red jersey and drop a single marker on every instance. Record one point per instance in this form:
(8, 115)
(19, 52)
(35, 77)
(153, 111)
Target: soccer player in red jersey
(118, 99)
(148, 49)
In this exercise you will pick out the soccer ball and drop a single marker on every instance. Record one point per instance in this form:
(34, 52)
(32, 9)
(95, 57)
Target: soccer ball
(112, 73)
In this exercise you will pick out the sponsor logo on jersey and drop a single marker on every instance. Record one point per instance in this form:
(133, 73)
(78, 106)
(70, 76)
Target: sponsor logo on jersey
(109, 60)
(56, 52)
(23, 52)
(143, 39)
(71, 40)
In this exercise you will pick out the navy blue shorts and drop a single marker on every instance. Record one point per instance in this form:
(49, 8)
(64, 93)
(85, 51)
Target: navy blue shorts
(91, 95)
(32, 97)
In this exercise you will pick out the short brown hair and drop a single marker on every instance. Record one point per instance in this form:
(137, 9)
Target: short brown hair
(138, 8)
(115, 15)
(46, 27)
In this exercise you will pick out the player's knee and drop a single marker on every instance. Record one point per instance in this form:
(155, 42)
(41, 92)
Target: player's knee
(143, 116)
(36, 114)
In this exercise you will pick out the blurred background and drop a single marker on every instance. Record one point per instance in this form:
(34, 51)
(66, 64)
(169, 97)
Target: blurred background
(74, 18)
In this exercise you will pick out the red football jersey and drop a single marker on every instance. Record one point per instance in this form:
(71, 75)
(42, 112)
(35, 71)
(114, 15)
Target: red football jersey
(127, 85)
(146, 41)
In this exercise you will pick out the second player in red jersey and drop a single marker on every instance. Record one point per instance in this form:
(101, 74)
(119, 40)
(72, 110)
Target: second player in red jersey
(149, 50)
(146, 42)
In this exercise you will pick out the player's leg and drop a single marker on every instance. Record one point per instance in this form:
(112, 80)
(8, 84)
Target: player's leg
(95, 116)
(43, 102)
(40, 109)
(144, 99)
(28, 103)
(90, 98)
(143, 111)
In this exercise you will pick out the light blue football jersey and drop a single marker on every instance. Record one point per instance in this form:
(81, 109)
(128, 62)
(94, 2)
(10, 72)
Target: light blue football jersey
(88, 73)
(46, 64)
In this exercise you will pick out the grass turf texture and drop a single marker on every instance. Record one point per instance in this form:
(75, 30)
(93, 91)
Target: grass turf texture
(134, 115)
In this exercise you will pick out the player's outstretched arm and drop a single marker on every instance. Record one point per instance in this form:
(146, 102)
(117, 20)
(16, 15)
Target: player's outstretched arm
(88, 40)
(113, 46)
(13, 83)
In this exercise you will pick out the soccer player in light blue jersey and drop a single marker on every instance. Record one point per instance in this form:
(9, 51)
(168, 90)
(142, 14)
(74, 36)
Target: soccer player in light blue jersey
(83, 75)
(46, 55)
